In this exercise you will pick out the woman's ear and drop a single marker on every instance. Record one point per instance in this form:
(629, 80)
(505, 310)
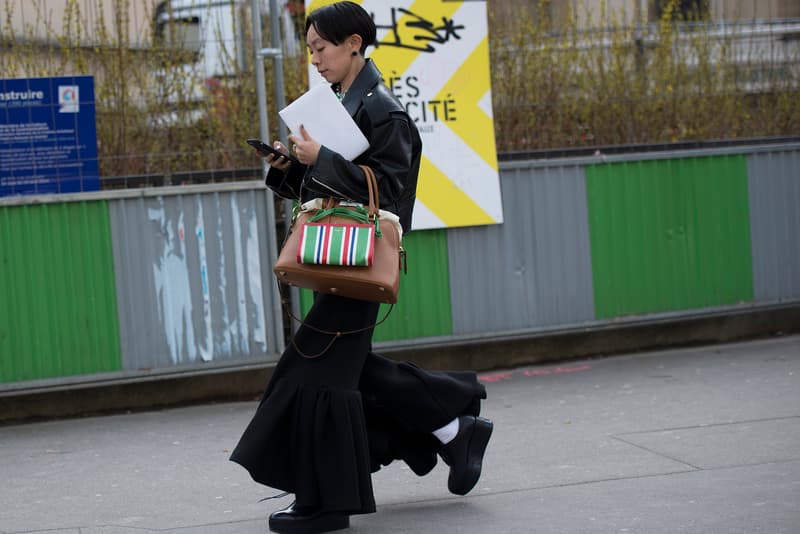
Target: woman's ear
(355, 42)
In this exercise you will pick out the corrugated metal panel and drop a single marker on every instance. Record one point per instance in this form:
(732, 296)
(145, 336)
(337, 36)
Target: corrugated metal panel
(423, 308)
(57, 301)
(532, 271)
(670, 234)
(193, 278)
(673, 236)
(774, 185)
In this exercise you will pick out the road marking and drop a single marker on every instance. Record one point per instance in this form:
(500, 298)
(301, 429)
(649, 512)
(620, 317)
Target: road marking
(499, 377)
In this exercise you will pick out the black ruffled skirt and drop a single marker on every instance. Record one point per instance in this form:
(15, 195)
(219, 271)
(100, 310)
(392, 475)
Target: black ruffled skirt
(325, 424)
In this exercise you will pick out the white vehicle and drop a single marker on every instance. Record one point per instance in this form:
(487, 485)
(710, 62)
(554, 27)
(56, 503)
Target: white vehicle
(207, 42)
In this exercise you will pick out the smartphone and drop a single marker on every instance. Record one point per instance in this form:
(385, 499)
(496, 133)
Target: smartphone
(261, 146)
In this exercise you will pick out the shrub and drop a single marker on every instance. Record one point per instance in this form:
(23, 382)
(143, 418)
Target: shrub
(676, 80)
(621, 84)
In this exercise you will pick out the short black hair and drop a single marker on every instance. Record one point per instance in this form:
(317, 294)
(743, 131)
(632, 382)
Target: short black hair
(336, 22)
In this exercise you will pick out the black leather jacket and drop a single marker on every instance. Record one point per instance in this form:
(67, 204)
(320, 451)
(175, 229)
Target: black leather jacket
(394, 154)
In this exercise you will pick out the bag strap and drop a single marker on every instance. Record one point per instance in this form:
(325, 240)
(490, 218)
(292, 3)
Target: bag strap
(335, 334)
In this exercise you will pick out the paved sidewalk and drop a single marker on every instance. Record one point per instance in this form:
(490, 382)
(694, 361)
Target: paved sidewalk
(702, 440)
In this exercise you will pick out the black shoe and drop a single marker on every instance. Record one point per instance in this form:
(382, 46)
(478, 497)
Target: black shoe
(464, 454)
(293, 520)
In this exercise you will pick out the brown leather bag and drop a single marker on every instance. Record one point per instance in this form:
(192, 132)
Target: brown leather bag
(380, 282)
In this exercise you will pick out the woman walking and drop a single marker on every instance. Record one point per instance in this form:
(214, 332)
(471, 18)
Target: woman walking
(324, 424)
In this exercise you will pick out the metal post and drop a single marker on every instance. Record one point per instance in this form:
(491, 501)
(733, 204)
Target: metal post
(280, 93)
(283, 134)
(263, 129)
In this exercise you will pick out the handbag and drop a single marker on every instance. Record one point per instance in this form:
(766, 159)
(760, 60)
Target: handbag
(345, 249)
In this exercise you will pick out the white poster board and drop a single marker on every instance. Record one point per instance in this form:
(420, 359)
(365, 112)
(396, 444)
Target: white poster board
(434, 55)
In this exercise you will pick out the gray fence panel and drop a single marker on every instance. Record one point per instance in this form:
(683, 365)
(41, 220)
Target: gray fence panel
(774, 191)
(534, 270)
(193, 278)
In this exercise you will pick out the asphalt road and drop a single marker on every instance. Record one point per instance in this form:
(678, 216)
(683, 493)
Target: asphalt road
(698, 440)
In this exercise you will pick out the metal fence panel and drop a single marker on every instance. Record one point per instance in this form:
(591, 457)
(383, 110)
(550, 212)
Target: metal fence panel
(532, 271)
(423, 308)
(669, 234)
(774, 192)
(193, 278)
(57, 299)
(585, 242)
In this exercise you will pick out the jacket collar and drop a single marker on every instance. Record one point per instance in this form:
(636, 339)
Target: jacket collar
(366, 81)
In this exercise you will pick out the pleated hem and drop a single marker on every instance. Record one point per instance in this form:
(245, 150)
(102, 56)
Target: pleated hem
(311, 441)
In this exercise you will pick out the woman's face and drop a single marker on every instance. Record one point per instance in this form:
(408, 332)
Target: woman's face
(333, 62)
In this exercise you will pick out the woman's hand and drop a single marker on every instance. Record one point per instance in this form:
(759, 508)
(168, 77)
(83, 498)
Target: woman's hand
(278, 162)
(306, 149)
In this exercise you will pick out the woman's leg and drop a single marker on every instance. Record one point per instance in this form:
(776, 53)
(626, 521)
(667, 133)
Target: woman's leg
(423, 400)
(405, 405)
(309, 436)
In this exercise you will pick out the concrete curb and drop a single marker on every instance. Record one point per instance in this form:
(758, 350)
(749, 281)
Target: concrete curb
(247, 383)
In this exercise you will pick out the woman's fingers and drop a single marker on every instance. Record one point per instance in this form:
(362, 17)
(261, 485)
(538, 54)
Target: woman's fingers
(305, 148)
(275, 160)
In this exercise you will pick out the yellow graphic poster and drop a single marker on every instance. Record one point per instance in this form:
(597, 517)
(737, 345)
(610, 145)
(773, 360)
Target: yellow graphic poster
(434, 56)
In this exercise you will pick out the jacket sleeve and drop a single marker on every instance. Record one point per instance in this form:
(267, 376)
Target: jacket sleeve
(389, 155)
(286, 184)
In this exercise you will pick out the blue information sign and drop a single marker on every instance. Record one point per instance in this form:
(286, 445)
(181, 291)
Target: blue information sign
(48, 136)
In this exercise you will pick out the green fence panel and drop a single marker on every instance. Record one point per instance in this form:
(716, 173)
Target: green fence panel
(669, 234)
(423, 309)
(58, 312)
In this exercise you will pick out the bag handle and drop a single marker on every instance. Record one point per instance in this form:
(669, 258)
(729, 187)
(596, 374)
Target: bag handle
(372, 191)
(374, 198)
(358, 214)
(331, 207)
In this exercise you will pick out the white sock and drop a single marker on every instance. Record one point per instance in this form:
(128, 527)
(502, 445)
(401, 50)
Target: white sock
(447, 432)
